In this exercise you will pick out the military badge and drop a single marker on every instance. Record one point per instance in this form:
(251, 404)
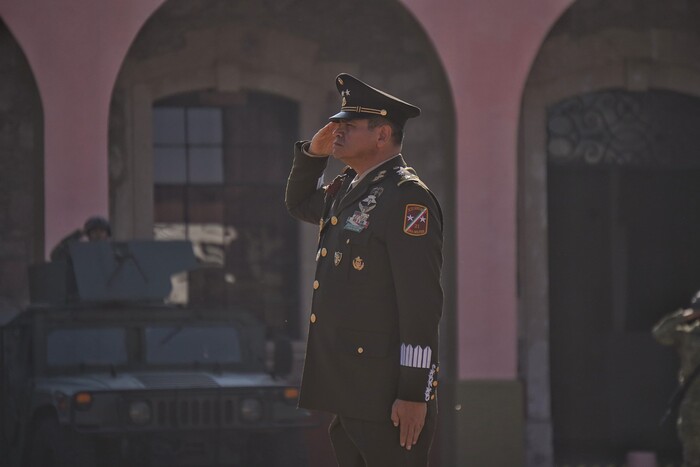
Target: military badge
(358, 263)
(337, 257)
(357, 222)
(379, 176)
(377, 190)
(367, 204)
(415, 220)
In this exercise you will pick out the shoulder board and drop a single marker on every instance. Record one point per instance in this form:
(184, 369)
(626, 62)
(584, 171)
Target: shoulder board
(407, 174)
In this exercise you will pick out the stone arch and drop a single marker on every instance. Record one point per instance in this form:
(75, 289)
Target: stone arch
(293, 49)
(594, 46)
(273, 47)
(21, 172)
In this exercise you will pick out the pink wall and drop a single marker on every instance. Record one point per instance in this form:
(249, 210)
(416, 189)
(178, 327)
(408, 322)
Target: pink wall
(486, 46)
(79, 38)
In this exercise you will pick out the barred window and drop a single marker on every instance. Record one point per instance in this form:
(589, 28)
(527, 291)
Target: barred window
(221, 162)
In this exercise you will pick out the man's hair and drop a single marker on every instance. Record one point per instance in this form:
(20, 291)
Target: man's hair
(396, 131)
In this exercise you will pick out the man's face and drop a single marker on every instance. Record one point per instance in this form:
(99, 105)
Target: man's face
(354, 141)
(97, 234)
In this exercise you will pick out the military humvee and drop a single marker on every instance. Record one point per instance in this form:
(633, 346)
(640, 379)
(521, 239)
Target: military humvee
(98, 371)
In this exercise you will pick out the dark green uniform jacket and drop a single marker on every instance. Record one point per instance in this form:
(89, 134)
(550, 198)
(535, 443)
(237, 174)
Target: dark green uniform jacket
(377, 300)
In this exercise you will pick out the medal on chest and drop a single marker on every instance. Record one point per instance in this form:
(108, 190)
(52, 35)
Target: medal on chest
(360, 219)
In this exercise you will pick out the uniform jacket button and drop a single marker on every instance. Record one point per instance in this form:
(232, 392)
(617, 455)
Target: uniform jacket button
(316, 285)
(312, 318)
(334, 220)
(324, 252)
(360, 350)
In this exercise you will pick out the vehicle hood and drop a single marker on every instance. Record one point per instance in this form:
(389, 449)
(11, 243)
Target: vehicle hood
(139, 381)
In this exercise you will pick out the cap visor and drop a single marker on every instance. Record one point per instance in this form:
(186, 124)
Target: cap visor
(348, 116)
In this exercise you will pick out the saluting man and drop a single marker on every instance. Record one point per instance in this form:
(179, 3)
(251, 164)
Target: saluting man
(372, 351)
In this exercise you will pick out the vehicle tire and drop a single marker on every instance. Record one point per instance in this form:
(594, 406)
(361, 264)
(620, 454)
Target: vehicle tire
(57, 446)
(290, 450)
(286, 449)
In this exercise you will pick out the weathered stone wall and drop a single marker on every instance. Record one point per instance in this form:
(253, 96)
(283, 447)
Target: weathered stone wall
(274, 46)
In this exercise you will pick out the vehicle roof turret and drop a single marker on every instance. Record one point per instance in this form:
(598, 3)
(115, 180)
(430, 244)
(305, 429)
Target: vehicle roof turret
(111, 271)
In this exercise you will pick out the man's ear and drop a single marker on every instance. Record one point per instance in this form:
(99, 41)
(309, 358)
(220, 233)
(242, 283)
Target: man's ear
(384, 135)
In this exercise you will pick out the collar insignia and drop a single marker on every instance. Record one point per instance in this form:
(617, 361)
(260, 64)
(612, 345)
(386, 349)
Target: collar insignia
(379, 176)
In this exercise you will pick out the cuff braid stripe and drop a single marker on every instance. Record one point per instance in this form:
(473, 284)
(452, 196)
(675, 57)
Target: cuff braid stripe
(416, 356)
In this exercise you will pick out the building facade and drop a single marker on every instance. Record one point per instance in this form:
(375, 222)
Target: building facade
(558, 135)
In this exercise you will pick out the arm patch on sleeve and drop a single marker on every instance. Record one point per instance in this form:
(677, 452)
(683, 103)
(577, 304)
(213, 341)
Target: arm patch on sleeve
(415, 221)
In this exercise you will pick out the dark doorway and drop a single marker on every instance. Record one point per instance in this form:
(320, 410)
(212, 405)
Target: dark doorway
(624, 212)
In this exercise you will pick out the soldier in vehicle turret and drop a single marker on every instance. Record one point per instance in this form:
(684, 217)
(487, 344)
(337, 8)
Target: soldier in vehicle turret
(95, 228)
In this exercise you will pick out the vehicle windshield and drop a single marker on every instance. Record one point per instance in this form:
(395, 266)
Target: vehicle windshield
(188, 344)
(86, 346)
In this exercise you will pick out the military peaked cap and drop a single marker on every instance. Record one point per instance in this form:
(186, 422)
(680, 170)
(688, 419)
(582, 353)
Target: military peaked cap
(360, 100)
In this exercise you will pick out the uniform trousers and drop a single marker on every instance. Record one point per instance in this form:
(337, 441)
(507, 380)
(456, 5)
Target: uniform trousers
(363, 443)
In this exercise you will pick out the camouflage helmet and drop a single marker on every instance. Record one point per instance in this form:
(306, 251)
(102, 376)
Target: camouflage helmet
(97, 222)
(695, 301)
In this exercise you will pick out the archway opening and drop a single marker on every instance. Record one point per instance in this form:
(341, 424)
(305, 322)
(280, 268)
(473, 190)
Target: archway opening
(606, 161)
(290, 52)
(623, 210)
(21, 173)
